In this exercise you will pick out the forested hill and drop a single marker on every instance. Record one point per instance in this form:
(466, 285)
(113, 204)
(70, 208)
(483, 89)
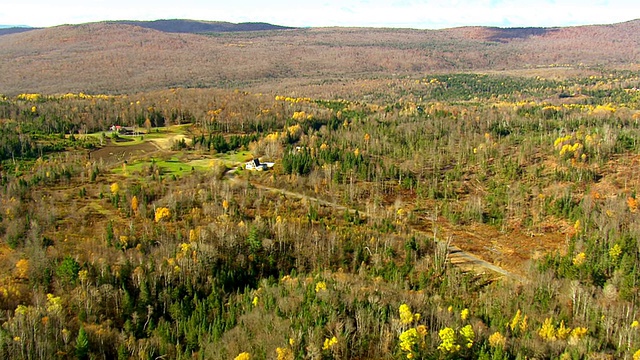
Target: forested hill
(114, 57)
(199, 27)
(6, 30)
(175, 26)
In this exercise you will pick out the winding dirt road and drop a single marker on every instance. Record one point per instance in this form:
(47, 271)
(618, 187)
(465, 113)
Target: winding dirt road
(456, 256)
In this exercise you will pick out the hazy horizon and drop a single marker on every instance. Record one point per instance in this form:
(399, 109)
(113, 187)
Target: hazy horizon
(430, 14)
(9, 26)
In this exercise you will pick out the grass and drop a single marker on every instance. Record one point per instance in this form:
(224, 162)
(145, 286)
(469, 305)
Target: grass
(128, 140)
(230, 159)
(236, 157)
(155, 133)
(175, 165)
(160, 132)
(97, 207)
(178, 167)
(171, 166)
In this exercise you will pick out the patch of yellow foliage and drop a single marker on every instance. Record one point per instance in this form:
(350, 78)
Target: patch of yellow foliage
(161, 213)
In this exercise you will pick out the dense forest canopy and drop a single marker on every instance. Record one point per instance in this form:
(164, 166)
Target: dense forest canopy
(448, 216)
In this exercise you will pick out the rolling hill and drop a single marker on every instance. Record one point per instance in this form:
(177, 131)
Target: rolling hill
(115, 57)
(199, 27)
(174, 26)
(6, 30)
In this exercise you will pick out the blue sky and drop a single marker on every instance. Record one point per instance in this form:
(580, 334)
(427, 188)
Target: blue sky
(420, 14)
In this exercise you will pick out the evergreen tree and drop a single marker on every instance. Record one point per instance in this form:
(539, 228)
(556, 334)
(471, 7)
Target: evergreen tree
(82, 345)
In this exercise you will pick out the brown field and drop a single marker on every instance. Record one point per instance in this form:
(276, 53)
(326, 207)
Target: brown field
(116, 154)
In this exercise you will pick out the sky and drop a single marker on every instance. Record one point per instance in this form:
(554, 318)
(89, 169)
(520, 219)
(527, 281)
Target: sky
(418, 14)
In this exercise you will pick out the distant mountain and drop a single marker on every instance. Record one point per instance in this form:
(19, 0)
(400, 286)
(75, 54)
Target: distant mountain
(199, 27)
(10, 29)
(114, 57)
(505, 35)
(174, 26)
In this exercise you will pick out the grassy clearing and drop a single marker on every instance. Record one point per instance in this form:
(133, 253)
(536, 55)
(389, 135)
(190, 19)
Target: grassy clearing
(204, 163)
(228, 159)
(155, 133)
(128, 140)
(233, 158)
(172, 166)
(178, 167)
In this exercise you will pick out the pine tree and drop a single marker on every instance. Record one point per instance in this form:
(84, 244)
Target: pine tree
(82, 344)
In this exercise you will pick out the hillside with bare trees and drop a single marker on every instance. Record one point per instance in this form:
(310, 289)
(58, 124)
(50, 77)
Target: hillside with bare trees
(118, 58)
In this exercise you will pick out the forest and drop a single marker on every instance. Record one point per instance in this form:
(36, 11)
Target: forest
(444, 216)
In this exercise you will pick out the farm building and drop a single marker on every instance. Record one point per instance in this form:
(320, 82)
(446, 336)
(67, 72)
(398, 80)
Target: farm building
(255, 164)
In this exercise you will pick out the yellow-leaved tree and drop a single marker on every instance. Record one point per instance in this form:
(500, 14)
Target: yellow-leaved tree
(115, 188)
(161, 213)
(134, 204)
(22, 269)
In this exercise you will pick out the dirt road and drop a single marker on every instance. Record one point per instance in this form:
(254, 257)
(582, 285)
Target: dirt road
(457, 256)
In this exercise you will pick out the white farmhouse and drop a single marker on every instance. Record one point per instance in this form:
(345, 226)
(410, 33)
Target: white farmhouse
(255, 164)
